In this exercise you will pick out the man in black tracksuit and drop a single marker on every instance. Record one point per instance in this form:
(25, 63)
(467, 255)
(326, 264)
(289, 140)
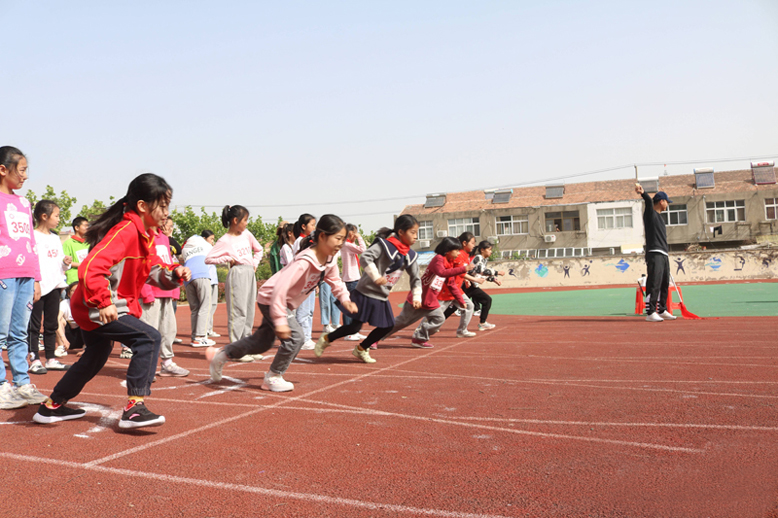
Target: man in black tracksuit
(657, 257)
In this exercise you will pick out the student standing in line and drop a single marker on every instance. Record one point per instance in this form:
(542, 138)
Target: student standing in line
(106, 305)
(53, 264)
(76, 247)
(19, 280)
(438, 273)
(279, 296)
(303, 228)
(210, 238)
(239, 249)
(286, 240)
(198, 289)
(383, 263)
(352, 248)
(479, 269)
(274, 255)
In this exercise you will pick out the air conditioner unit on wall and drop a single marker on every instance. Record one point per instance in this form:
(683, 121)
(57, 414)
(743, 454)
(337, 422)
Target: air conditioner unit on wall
(424, 244)
(442, 233)
(549, 238)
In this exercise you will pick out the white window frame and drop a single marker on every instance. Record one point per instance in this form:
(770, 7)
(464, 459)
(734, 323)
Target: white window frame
(675, 212)
(615, 217)
(727, 211)
(771, 203)
(517, 225)
(426, 230)
(458, 226)
(552, 253)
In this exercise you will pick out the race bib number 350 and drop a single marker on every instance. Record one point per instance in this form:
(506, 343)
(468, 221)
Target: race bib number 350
(18, 224)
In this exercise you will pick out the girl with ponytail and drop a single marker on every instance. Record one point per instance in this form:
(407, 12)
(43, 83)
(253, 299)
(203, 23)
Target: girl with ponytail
(280, 295)
(241, 251)
(106, 304)
(383, 263)
(303, 228)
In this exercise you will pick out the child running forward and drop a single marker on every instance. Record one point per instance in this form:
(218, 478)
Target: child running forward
(235, 249)
(438, 273)
(447, 298)
(383, 263)
(106, 304)
(278, 298)
(19, 280)
(482, 301)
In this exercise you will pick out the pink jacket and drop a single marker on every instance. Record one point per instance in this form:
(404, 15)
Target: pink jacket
(149, 293)
(236, 248)
(349, 253)
(291, 286)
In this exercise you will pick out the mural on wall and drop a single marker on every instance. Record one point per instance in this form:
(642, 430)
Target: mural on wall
(679, 265)
(585, 270)
(541, 270)
(766, 262)
(714, 263)
(621, 266)
(740, 262)
(567, 271)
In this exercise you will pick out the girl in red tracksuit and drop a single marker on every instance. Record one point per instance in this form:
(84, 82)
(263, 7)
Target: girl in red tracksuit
(122, 258)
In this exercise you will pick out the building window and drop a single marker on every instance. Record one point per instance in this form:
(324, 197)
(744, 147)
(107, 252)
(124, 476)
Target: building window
(614, 218)
(460, 225)
(512, 225)
(518, 254)
(725, 211)
(675, 215)
(425, 230)
(771, 208)
(563, 252)
(562, 221)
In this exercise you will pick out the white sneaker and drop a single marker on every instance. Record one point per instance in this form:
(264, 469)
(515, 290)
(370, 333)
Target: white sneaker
(30, 394)
(217, 364)
(55, 365)
(245, 359)
(202, 341)
(177, 341)
(465, 334)
(170, 369)
(276, 383)
(361, 336)
(458, 312)
(328, 329)
(356, 337)
(667, 315)
(36, 367)
(257, 357)
(310, 345)
(215, 335)
(60, 351)
(653, 317)
(9, 398)
(485, 326)
(477, 313)
(363, 355)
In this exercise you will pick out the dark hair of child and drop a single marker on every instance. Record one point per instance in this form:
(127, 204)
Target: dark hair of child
(231, 212)
(9, 157)
(78, 222)
(448, 244)
(328, 225)
(205, 234)
(147, 187)
(283, 232)
(43, 208)
(304, 219)
(480, 247)
(404, 223)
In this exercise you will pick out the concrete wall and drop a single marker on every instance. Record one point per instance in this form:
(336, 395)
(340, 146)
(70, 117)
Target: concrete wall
(626, 269)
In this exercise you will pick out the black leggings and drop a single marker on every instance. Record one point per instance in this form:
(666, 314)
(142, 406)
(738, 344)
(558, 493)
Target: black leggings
(480, 299)
(48, 307)
(354, 327)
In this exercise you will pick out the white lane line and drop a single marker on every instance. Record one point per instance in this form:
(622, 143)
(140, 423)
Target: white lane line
(275, 493)
(621, 360)
(546, 435)
(257, 410)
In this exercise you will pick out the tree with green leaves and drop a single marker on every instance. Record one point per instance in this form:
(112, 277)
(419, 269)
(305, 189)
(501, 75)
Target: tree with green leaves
(63, 200)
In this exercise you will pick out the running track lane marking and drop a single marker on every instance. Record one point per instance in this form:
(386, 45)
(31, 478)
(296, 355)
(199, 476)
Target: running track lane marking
(261, 409)
(308, 497)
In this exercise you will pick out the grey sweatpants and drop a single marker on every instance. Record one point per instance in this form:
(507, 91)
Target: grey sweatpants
(431, 320)
(264, 337)
(214, 304)
(159, 315)
(241, 293)
(198, 294)
(464, 320)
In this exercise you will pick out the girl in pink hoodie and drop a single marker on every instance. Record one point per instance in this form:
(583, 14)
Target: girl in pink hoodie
(281, 295)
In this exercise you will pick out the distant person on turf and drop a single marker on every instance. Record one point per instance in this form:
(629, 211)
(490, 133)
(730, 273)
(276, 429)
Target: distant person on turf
(106, 302)
(383, 264)
(76, 247)
(657, 255)
(278, 298)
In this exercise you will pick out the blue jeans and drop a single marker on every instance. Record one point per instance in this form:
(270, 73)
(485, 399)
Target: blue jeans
(350, 287)
(16, 296)
(304, 315)
(330, 314)
(140, 337)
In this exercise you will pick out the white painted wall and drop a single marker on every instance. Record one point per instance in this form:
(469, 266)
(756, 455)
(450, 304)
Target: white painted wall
(615, 237)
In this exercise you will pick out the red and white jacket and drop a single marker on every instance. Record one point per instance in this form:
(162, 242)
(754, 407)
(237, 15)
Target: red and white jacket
(115, 271)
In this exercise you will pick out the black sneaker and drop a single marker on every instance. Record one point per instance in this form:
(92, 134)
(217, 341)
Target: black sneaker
(138, 416)
(46, 415)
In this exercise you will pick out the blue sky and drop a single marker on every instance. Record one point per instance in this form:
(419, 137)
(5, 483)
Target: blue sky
(321, 103)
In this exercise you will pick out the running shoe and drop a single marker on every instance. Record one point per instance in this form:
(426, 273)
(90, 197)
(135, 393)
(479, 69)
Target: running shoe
(177, 341)
(126, 353)
(485, 326)
(362, 355)
(276, 383)
(421, 344)
(202, 341)
(217, 363)
(653, 317)
(170, 369)
(138, 416)
(310, 345)
(46, 415)
(356, 337)
(666, 315)
(215, 335)
(465, 334)
(60, 351)
(10, 398)
(55, 365)
(477, 313)
(37, 368)
(257, 357)
(29, 393)
(245, 358)
(321, 344)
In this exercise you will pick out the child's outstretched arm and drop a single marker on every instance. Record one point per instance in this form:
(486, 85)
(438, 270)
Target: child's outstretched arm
(367, 262)
(339, 290)
(413, 273)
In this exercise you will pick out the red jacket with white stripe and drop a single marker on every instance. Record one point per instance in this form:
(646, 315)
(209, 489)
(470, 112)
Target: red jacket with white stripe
(115, 271)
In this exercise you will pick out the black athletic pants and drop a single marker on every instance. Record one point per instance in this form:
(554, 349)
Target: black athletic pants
(480, 299)
(658, 281)
(47, 307)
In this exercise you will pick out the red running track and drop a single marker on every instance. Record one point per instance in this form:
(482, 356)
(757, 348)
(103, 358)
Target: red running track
(541, 417)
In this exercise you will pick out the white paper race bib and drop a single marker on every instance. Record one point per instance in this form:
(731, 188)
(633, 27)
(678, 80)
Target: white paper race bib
(81, 255)
(437, 283)
(311, 282)
(18, 224)
(163, 251)
(392, 278)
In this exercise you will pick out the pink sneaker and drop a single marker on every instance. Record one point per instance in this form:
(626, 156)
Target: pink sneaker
(374, 347)
(421, 344)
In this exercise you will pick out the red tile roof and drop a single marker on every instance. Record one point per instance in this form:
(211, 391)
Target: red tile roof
(592, 192)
